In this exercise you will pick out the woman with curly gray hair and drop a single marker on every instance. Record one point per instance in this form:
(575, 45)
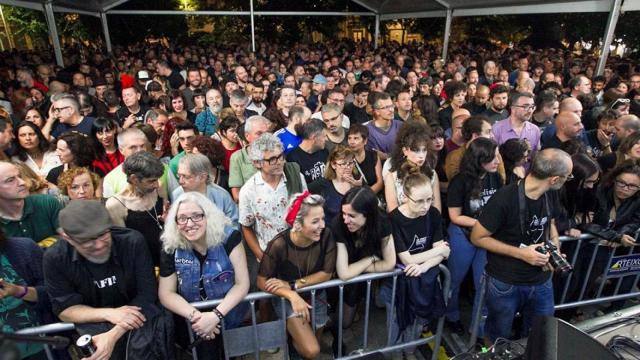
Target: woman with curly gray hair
(203, 259)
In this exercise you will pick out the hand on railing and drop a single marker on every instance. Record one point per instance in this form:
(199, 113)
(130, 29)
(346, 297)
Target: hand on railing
(129, 317)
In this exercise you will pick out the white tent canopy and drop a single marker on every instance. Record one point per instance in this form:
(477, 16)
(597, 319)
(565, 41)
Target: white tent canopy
(381, 9)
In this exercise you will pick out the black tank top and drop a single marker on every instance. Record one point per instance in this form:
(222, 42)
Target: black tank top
(148, 224)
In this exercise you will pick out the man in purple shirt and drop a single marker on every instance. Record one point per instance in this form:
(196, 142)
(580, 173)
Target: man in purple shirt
(518, 125)
(383, 128)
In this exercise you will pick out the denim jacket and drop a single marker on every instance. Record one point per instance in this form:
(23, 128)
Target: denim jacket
(217, 274)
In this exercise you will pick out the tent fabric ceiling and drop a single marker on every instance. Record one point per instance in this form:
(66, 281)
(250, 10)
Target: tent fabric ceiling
(378, 6)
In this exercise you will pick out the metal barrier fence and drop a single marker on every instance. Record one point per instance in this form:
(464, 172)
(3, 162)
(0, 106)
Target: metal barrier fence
(575, 289)
(257, 343)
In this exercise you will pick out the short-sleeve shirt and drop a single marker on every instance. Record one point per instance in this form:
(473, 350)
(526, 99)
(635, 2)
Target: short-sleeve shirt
(83, 127)
(356, 249)
(240, 168)
(459, 193)
(380, 139)
(289, 140)
(39, 219)
(501, 218)
(503, 131)
(263, 208)
(416, 235)
(311, 165)
(286, 261)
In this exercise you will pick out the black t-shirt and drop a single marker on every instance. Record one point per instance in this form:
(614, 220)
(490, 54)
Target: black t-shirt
(175, 80)
(416, 235)
(124, 112)
(501, 218)
(311, 165)
(459, 193)
(495, 116)
(356, 247)
(368, 166)
(105, 279)
(167, 261)
(356, 114)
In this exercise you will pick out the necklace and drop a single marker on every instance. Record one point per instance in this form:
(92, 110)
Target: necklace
(155, 218)
(302, 279)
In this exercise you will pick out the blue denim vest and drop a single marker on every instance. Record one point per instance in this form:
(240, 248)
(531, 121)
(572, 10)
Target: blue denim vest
(217, 275)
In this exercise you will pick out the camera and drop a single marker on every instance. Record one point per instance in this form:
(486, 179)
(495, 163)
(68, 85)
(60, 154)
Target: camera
(557, 261)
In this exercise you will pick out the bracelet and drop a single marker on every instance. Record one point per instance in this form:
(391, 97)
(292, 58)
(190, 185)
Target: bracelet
(292, 285)
(24, 292)
(373, 259)
(218, 313)
(193, 313)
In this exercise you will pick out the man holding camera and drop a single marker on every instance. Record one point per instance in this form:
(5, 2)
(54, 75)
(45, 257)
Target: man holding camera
(515, 227)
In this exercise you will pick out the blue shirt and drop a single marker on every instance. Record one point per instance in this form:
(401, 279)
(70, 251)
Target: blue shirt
(83, 127)
(289, 140)
(220, 198)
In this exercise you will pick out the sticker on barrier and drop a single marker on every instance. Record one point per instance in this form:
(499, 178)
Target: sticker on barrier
(624, 265)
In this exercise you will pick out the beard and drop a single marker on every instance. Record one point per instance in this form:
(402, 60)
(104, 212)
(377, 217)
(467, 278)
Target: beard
(216, 108)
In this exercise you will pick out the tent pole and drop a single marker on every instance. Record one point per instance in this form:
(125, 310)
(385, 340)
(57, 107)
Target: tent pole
(253, 29)
(447, 32)
(53, 31)
(377, 34)
(614, 14)
(105, 30)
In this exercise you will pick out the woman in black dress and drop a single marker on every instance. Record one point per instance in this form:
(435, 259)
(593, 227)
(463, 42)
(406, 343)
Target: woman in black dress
(300, 256)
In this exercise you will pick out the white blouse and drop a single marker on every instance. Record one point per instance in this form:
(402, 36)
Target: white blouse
(49, 161)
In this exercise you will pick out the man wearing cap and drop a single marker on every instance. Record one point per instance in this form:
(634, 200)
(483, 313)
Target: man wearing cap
(99, 103)
(134, 110)
(101, 279)
(143, 77)
(318, 87)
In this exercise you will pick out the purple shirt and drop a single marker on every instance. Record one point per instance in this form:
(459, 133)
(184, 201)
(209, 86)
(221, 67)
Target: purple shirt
(503, 131)
(382, 140)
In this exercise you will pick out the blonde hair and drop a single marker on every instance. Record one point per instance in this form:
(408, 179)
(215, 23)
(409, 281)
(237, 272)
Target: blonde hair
(340, 152)
(172, 238)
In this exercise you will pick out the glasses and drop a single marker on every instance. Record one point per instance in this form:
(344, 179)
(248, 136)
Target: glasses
(274, 159)
(195, 218)
(344, 164)
(420, 201)
(90, 243)
(525, 107)
(57, 110)
(623, 185)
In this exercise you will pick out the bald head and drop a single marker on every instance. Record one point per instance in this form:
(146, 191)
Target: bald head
(626, 125)
(568, 126)
(550, 163)
(572, 105)
(460, 112)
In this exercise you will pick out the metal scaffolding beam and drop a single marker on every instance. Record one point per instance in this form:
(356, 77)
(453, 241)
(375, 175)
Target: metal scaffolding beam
(376, 36)
(105, 31)
(614, 14)
(53, 32)
(447, 33)
(253, 28)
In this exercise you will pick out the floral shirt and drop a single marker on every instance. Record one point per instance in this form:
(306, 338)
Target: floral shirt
(263, 208)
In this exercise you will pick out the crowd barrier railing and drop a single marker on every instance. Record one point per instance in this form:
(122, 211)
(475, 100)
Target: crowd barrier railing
(579, 287)
(257, 330)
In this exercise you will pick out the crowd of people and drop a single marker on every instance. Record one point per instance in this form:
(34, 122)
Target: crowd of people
(136, 183)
